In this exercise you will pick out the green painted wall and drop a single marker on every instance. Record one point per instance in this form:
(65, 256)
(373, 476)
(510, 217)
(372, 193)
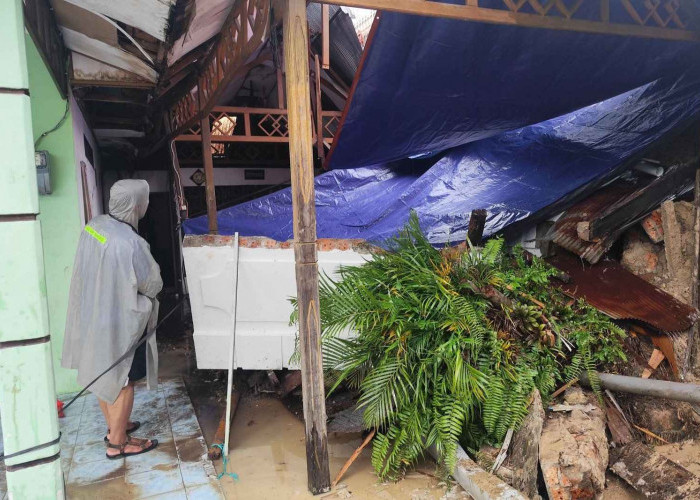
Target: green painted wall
(59, 211)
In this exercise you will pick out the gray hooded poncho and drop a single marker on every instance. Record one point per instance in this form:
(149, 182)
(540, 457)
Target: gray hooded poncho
(112, 294)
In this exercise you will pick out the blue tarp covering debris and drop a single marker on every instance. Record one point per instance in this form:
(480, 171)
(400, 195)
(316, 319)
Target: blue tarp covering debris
(512, 175)
(429, 84)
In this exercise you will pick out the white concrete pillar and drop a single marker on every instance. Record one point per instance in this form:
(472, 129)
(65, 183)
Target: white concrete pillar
(27, 392)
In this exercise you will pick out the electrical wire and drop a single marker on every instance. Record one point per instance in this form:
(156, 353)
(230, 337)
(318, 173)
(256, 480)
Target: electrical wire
(56, 127)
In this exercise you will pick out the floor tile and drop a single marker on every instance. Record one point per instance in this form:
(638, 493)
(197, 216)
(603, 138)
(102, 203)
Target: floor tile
(163, 457)
(194, 473)
(171, 495)
(92, 472)
(92, 452)
(211, 491)
(155, 482)
(192, 450)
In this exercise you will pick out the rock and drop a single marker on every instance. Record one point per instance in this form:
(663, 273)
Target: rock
(574, 451)
(641, 256)
(574, 395)
(524, 451)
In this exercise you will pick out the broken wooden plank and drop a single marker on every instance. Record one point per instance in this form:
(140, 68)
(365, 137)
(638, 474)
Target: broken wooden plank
(619, 428)
(654, 475)
(563, 388)
(353, 457)
(677, 180)
(694, 335)
(214, 452)
(650, 434)
(654, 361)
(524, 458)
(672, 238)
(665, 344)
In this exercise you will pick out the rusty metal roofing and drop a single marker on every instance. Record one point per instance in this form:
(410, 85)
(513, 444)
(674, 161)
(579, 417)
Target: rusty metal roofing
(565, 234)
(613, 290)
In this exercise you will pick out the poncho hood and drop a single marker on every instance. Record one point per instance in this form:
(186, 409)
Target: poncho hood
(128, 201)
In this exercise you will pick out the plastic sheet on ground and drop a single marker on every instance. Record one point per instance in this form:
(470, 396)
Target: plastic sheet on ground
(511, 175)
(430, 84)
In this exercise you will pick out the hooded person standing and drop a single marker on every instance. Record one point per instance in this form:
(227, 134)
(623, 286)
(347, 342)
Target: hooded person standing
(112, 305)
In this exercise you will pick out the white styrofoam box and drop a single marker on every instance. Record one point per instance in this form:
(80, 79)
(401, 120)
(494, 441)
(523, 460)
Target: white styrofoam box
(264, 338)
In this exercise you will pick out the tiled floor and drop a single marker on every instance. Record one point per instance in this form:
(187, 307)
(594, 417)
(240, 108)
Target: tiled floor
(177, 469)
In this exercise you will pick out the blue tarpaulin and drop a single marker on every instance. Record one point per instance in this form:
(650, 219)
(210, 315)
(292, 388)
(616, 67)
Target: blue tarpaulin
(512, 175)
(430, 84)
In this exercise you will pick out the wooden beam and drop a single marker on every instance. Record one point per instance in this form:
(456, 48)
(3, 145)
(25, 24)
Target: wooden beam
(296, 62)
(208, 161)
(554, 18)
(319, 110)
(326, 36)
(692, 354)
(628, 210)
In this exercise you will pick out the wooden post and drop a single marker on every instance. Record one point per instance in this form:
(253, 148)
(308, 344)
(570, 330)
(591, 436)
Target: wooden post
(326, 35)
(296, 63)
(319, 110)
(477, 222)
(280, 89)
(209, 174)
(692, 355)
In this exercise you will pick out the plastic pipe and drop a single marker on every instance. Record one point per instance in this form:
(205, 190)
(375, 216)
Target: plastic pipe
(678, 391)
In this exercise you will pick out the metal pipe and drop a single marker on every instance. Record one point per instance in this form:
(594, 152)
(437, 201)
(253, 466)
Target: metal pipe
(679, 391)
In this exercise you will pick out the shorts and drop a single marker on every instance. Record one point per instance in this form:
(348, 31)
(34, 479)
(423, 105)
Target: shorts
(138, 365)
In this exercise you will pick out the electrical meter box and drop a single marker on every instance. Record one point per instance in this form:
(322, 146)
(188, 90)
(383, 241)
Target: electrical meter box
(43, 177)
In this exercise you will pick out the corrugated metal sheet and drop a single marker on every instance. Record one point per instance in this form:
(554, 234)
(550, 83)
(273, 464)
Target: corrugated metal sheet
(345, 48)
(612, 289)
(564, 232)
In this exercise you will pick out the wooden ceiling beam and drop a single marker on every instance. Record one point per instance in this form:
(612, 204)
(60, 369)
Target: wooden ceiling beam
(664, 19)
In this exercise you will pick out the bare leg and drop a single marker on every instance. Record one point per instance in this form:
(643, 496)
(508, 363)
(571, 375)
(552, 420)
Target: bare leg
(131, 404)
(105, 411)
(119, 418)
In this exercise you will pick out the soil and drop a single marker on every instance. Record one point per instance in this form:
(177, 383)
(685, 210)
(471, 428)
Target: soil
(267, 439)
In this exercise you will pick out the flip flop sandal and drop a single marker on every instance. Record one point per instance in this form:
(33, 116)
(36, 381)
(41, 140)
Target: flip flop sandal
(133, 442)
(133, 428)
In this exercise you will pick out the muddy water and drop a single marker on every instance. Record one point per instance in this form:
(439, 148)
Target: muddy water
(268, 454)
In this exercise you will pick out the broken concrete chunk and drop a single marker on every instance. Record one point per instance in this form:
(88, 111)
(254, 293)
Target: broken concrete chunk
(654, 475)
(653, 226)
(524, 454)
(583, 230)
(574, 451)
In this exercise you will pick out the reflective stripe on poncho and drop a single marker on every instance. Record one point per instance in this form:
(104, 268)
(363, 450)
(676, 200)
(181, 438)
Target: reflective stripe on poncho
(112, 294)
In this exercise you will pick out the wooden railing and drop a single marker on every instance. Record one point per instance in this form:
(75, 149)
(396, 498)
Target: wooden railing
(236, 124)
(244, 31)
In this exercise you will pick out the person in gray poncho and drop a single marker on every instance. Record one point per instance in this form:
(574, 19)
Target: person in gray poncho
(112, 304)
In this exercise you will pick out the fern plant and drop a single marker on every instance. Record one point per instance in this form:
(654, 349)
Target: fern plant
(448, 345)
